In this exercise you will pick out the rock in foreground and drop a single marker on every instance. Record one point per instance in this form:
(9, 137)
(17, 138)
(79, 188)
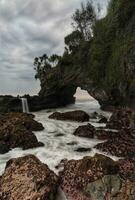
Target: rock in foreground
(78, 115)
(96, 178)
(28, 178)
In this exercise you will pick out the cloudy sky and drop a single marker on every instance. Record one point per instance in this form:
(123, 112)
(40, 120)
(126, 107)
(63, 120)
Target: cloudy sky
(30, 28)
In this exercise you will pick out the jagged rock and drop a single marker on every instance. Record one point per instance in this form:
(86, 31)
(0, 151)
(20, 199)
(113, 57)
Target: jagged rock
(102, 134)
(15, 131)
(123, 118)
(103, 120)
(77, 115)
(127, 168)
(72, 143)
(28, 178)
(121, 145)
(87, 131)
(96, 178)
(82, 149)
(27, 120)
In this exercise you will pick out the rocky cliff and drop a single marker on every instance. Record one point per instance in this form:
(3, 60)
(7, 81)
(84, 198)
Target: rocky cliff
(104, 66)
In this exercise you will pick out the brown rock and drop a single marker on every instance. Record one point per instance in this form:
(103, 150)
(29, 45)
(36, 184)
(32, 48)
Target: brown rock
(78, 115)
(15, 131)
(98, 177)
(87, 131)
(77, 174)
(122, 119)
(121, 145)
(28, 178)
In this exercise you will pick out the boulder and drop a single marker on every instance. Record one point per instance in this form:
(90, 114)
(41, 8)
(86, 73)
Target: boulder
(16, 132)
(27, 120)
(77, 115)
(87, 131)
(96, 178)
(28, 178)
(122, 118)
(102, 134)
(83, 149)
(103, 120)
(121, 145)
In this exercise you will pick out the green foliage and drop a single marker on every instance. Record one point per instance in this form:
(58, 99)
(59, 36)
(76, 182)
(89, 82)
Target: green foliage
(83, 20)
(103, 50)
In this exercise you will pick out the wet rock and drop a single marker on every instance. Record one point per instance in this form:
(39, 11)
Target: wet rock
(72, 143)
(103, 120)
(127, 168)
(82, 149)
(87, 131)
(59, 135)
(94, 115)
(61, 164)
(3, 147)
(105, 134)
(97, 178)
(28, 178)
(27, 120)
(111, 187)
(123, 118)
(77, 174)
(78, 115)
(121, 145)
(15, 132)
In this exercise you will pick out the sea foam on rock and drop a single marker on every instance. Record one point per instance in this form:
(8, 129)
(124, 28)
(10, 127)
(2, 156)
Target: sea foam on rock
(28, 178)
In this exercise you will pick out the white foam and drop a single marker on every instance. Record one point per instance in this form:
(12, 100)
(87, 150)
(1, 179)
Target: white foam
(56, 148)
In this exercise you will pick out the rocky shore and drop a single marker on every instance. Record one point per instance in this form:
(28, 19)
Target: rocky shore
(90, 178)
(16, 131)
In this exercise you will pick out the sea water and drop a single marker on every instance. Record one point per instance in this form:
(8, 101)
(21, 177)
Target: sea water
(56, 148)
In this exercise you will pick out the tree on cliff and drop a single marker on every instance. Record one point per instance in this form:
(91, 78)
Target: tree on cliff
(83, 22)
(42, 66)
(84, 19)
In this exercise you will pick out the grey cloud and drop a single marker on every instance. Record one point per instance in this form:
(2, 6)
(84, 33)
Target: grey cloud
(29, 28)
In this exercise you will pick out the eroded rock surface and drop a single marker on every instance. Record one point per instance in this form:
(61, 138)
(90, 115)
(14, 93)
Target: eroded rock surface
(77, 115)
(87, 131)
(16, 131)
(28, 178)
(98, 178)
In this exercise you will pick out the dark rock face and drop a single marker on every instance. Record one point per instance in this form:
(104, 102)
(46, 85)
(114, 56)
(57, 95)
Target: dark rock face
(28, 178)
(97, 178)
(82, 149)
(78, 115)
(103, 120)
(122, 118)
(121, 145)
(16, 131)
(87, 131)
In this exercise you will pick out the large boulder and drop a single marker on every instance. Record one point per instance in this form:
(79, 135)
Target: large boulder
(16, 131)
(121, 144)
(28, 178)
(27, 120)
(87, 131)
(122, 118)
(77, 115)
(97, 178)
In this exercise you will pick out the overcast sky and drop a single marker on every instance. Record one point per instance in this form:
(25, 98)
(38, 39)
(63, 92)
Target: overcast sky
(30, 28)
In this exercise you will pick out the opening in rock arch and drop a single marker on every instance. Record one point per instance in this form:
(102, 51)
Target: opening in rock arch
(82, 95)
